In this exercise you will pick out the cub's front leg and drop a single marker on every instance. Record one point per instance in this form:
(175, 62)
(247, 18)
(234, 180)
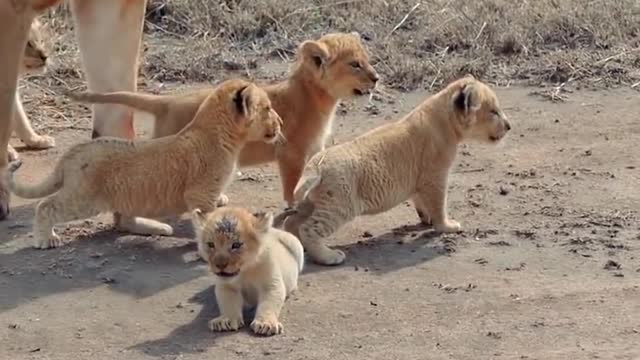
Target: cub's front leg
(270, 301)
(431, 201)
(230, 301)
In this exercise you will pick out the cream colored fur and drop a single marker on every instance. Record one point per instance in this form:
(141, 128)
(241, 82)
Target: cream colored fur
(334, 67)
(109, 35)
(154, 178)
(253, 264)
(34, 61)
(408, 159)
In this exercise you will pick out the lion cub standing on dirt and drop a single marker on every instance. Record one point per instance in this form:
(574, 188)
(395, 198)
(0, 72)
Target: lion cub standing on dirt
(34, 61)
(408, 159)
(159, 177)
(253, 263)
(329, 69)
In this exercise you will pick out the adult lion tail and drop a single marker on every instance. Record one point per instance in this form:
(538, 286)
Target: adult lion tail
(154, 104)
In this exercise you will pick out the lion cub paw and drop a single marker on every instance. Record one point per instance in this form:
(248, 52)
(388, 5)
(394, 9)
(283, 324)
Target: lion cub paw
(449, 226)
(266, 327)
(327, 256)
(12, 154)
(51, 242)
(223, 323)
(222, 200)
(41, 142)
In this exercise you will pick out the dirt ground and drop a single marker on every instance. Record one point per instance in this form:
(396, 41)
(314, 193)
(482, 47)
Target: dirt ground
(548, 266)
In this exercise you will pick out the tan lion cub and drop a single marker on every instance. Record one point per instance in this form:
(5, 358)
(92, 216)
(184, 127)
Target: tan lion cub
(159, 177)
(408, 159)
(34, 61)
(327, 70)
(253, 263)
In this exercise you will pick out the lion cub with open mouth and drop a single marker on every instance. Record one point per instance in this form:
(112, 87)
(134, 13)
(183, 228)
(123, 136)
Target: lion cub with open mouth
(253, 262)
(154, 178)
(408, 159)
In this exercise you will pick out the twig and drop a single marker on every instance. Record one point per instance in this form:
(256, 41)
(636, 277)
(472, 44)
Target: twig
(484, 25)
(310, 8)
(612, 57)
(469, 171)
(635, 85)
(403, 20)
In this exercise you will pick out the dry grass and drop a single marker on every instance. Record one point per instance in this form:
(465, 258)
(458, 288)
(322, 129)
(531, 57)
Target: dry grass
(588, 42)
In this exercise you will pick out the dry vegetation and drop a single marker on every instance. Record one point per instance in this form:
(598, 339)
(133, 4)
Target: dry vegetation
(414, 45)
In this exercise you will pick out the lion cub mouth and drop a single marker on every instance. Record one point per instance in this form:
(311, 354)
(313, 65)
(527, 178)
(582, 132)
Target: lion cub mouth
(225, 274)
(359, 92)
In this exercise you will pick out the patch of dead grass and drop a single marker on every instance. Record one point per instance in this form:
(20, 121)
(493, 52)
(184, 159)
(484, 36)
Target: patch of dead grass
(592, 42)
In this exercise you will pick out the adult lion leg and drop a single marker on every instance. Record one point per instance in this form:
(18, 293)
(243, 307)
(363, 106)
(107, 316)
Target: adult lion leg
(16, 18)
(25, 132)
(109, 35)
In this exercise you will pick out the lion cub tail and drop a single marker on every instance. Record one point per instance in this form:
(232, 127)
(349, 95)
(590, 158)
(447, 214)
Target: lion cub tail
(150, 103)
(50, 185)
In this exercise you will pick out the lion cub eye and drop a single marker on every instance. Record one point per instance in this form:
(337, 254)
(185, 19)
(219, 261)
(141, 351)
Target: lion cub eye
(211, 245)
(355, 64)
(495, 112)
(236, 245)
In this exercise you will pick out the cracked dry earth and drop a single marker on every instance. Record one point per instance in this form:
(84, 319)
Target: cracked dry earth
(548, 266)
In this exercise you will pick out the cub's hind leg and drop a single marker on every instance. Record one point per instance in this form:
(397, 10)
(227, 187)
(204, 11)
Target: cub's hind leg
(141, 226)
(421, 210)
(53, 210)
(316, 220)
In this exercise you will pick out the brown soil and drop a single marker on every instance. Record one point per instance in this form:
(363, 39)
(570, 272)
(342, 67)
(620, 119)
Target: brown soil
(547, 268)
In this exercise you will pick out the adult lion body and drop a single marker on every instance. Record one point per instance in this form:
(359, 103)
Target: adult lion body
(329, 69)
(109, 35)
(408, 159)
(158, 177)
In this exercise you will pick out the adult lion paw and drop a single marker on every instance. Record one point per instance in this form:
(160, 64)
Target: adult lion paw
(41, 142)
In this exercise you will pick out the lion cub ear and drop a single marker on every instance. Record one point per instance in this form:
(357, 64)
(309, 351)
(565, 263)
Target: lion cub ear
(263, 221)
(316, 51)
(243, 100)
(467, 99)
(198, 218)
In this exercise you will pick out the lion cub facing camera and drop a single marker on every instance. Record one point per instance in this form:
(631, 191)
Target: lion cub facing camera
(253, 263)
(408, 159)
(158, 177)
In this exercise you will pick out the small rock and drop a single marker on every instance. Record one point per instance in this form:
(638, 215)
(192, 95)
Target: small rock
(612, 265)
(504, 190)
(373, 303)
(367, 234)
(13, 326)
(108, 280)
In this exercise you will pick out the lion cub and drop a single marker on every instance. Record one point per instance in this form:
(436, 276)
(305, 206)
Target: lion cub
(34, 61)
(327, 70)
(408, 159)
(253, 263)
(154, 178)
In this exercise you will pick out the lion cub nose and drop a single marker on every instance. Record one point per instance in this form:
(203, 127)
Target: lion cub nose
(220, 262)
(507, 125)
(375, 77)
